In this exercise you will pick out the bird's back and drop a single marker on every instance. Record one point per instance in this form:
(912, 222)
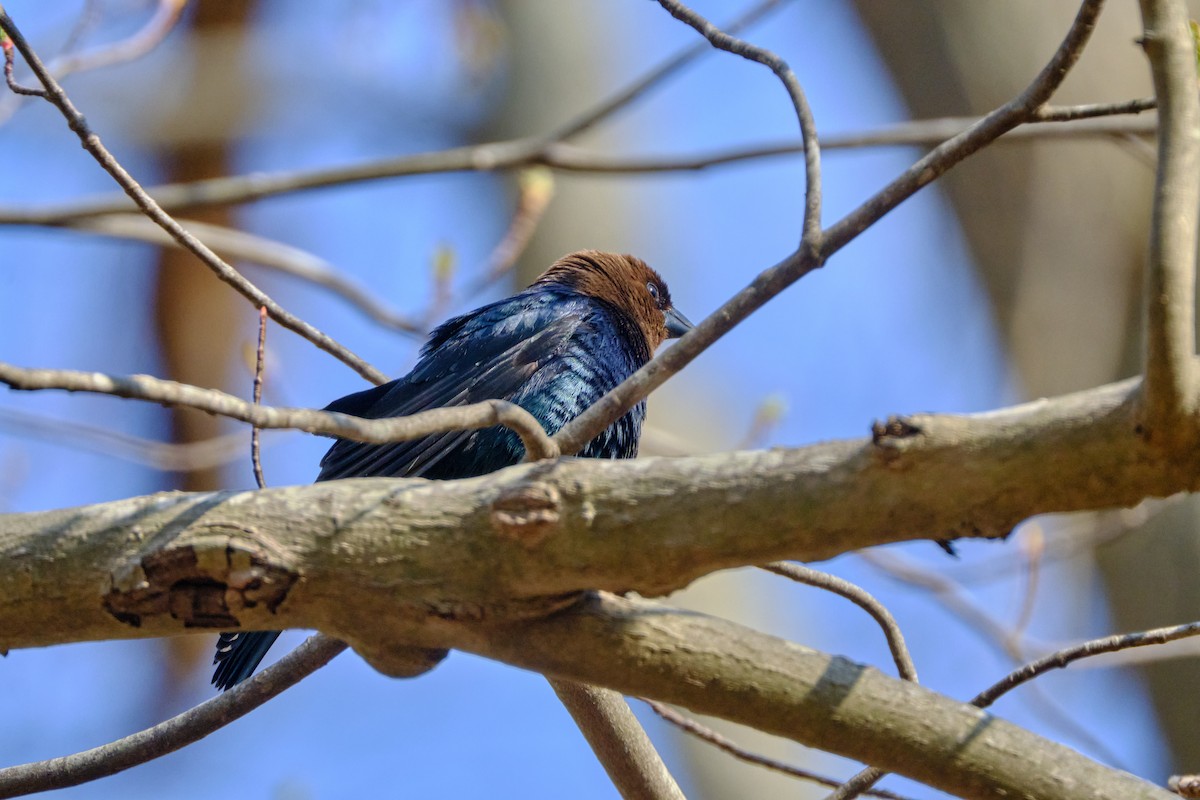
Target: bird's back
(551, 352)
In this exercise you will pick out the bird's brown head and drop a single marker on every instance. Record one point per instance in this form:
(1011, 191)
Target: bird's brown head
(626, 282)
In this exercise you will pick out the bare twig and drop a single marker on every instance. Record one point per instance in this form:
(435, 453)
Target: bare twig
(1088, 649)
(810, 240)
(259, 366)
(619, 742)
(861, 598)
(808, 256)
(1048, 113)
(175, 733)
(1171, 377)
(91, 142)
(23, 91)
(707, 734)
(166, 14)
(143, 387)
(866, 778)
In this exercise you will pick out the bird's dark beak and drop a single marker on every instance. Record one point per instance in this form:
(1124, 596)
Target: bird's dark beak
(677, 324)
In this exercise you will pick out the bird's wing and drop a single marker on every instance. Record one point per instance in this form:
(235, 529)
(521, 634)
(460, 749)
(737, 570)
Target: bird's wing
(480, 364)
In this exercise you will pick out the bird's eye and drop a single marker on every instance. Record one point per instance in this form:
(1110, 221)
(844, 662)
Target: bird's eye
(652, 288)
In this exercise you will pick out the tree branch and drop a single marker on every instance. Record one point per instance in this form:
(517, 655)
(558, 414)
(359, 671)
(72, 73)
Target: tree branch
(575, 434)
(619, 742)
(355, 559)
(327, 423)
(716, 667)
(533, 536)
(149, 36)
(706, 734)
(1053, 122)
(1171, 376)
(810, 240)
(1069, 655)
(175, 733)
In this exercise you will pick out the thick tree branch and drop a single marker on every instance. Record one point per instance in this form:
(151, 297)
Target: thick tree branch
(1171, 375)
(529, 538)
(716, 667)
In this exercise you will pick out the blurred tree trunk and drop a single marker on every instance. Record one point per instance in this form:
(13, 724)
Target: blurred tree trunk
(1058, 233)
(195, 313)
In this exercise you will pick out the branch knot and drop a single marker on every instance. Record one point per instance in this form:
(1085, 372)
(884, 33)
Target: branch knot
(528, 514)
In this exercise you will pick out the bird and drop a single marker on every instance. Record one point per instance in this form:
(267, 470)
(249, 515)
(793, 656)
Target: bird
(582, 327)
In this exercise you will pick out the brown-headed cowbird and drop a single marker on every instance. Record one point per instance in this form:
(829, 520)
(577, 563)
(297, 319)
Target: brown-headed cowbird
(588, 323)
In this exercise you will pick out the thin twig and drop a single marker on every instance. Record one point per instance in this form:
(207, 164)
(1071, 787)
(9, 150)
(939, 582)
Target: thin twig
(7, 46)
(259, 367)
(175, 733)
(637, 89)
(1088, 649)
(1048, 113)
(861, 598)
(91, 142)
(575, 434)
(1170, 390)
(707, 734)
(161, 23)
(485, 414)
(810, 239)
(907, 670)
(809, 255)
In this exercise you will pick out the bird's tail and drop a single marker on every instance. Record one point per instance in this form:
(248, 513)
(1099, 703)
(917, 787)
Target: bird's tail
(238, 655)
